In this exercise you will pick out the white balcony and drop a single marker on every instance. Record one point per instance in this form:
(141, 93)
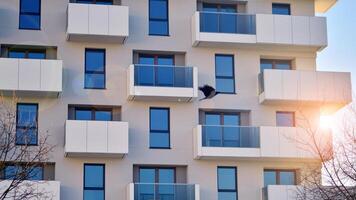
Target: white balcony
(151, 191)
(331, 90)
(97, 23)
(280, 192)
(96, 138)
(162, 83)
(30, 77)
(39, 189)
(260, 29)
(266, 143)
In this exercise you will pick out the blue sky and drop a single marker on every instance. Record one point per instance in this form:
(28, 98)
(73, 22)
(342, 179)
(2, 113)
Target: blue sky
(340, 55)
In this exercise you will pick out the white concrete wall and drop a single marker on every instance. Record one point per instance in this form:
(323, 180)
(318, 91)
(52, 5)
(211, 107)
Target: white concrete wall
(91, 138)
(38, 189)
(101, 21)
(33, 75)
(282, 192)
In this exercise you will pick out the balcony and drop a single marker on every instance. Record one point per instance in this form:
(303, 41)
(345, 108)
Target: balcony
(331, 90)
(96, 138)
(232, 29)
(30, 77)
(138, 191)
(280, 192)
(162, 83)
(266, 143)
(97, 23)
(44, 189)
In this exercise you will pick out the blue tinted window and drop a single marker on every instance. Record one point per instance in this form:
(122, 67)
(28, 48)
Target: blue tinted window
(158, 17)
(227, 188)
(279, 177)
(94, 182)
(101, 2)
(103, 115)
(156, 175)
(36, 173)
(36, 55)
(26, 126)
(270, 178)
(30, 14)
(32, 54)
(280, 9)
(159, 128)
(17, 54)
(94, 68)
(224, 73)
(83, 115)
(287, 178)
(285, 119)
(93, 114)
(12, 172)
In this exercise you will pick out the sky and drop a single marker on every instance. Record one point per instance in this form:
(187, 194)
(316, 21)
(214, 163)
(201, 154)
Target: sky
(340, 55)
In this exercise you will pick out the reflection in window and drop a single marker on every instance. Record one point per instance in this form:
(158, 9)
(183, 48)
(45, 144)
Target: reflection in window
(26, 124)
(24, 173)
(30, 14)
(94, 182)
(227, 189)
(285, 119)
(224, 73)
(96, 114)
(158, 17)
(159, 128)
(101, 2)
(27, 53)
(281, 9)
(275, 64)
(279, 177)
(95, 68)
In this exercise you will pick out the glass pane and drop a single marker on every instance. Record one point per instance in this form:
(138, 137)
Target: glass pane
(95, 81)
(285, 119)
(280, 9)
(212, 136)
(146, 60)
(159, 119)
(144, 75)
(165, 61)
(228, 8)
(26, 136)
(147, 175)
(94, 60)
(166, 175)
(31, 6)
(85, 1)
(210, 7)
(224, 66)
(103, 116)
(158, 9)
(183, 77)
(30, 21)
(16, 54)
(286, 65)
(287, 178)
(209, 22)
(146, 191)
(27, 115)
(231, 120)
(212, 119)
(270, 178)
(104, 2)
(226, 178)
(165, 76)
(227, 196)
(94, 176)
(159, 139)
(11, 172)
(37, 55)
(231, 137)
(227, 23)
(266, 64)
(158, 27)
(93, 194)
(36, 173)
(83, 114)
(225, 85)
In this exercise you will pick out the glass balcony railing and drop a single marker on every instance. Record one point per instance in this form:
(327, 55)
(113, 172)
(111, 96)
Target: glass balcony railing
(164, 191)
(163, 76)
(231, 136)
(222, 22)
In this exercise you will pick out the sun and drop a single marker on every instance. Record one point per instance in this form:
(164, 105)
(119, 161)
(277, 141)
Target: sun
(326, 122)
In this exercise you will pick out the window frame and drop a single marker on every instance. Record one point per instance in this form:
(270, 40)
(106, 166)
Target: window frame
(26, 52)
(157, 172)
(3, 173)
(155, 57)
(278, 171)
(95, 2)
(220, 5)
(160, 131)
(159, 20)
(21, 127)
(286, 112)
(93, 188)
(226, 77)
(274, 63)
(94, 72)
(283, 5)
(93, 110)
(227, 190)
(32, 14)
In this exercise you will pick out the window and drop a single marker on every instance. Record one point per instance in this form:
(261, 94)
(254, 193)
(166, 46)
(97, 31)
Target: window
(219, 18)
(158, 17)
(27, 53)
(279, 177)
(18, 172)
(95, 68)
(285, 119)
(227, 182)
(94, 181)
(93, 114)
(159, 128)
(101, 2)
(280, 9)
(275, 64)
(30, 14)
(26, 124)
(224, 73)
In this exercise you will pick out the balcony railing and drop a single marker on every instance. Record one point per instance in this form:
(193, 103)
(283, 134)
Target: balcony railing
(261, 84)
(163, 76)
(231, 136)
(152, 191)
(222, 22)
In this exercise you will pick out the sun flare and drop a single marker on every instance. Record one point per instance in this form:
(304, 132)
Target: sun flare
(326, 121)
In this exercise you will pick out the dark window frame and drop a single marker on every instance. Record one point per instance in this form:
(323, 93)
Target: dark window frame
(3, 173)
(224, 190)
(95, 2)
(159, 20)
(94, 72)
(274, 62)
(278, 171)
(156, 57)
(226, 77)
(157, 172)
(22, 127)
(32, 14)
(94, 188)
(26, 52)
(160, 131)
(93, 110)
(222, 114)
(284, 5)
(219, 6)
(287, 112)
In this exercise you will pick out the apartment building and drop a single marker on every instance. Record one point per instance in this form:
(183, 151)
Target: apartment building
(115, 84)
